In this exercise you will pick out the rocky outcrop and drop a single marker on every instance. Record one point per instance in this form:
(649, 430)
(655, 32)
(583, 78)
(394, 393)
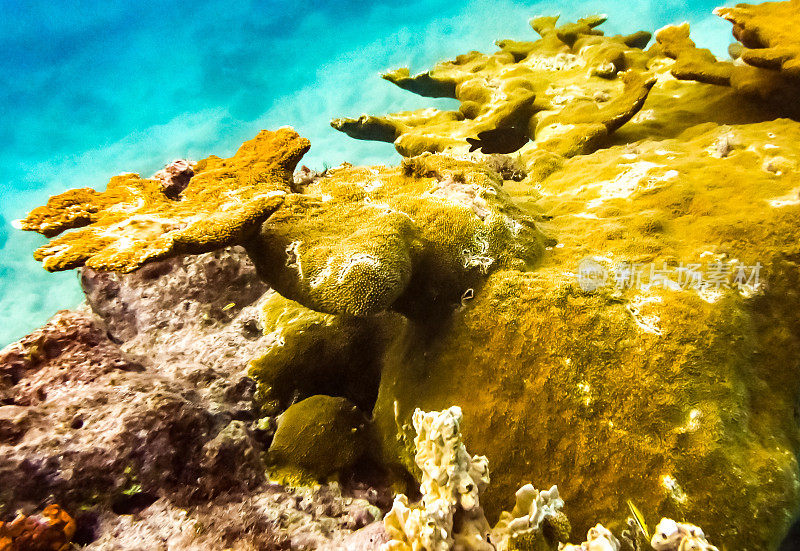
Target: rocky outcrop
(138, 403)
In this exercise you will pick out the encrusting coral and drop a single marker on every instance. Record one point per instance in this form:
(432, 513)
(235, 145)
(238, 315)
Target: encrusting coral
(320, 436)
(51, 531)
(553, 91)
(364, 239)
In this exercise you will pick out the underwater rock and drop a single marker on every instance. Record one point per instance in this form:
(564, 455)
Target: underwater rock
(369, 538)
(55, 355)
(272, 518)
(543, 91)
(231, 461)
(151, 377)
(321, 435)
(175, 177)
(144, 396)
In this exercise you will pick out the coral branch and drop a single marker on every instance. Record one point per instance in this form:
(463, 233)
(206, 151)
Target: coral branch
(504, 95)
(134, 221)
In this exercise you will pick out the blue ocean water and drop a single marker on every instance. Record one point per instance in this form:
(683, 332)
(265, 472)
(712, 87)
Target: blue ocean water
(91, 89)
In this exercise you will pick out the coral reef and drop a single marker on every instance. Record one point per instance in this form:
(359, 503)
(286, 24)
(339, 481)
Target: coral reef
(360, 240)
(598, 538)
(536, 517)
(614, 309)
(452, 482)
(311, 353)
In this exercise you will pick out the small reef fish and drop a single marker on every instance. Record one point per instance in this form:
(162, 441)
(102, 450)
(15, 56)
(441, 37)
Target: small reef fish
(639, 518)
(499, 140)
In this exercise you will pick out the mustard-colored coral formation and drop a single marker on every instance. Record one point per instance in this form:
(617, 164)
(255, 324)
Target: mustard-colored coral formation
(769, 53)
(525, 88)
(359, 241)
(412, 238)
(133, 221)
(621, 320)
(649, 389)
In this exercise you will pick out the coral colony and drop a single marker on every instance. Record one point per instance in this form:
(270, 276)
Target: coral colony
(589, 272)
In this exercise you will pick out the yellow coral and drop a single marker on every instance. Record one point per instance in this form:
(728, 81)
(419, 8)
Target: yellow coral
(412, 238)
(520, 87)
(771, 53)
(134, 222)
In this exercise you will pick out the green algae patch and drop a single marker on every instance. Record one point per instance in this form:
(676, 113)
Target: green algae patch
(319, 436)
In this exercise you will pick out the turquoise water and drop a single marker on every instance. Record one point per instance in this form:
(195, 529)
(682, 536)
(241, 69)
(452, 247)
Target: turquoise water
(92, 89)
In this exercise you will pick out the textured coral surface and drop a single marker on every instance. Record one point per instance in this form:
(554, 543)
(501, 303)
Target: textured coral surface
(669, 377)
